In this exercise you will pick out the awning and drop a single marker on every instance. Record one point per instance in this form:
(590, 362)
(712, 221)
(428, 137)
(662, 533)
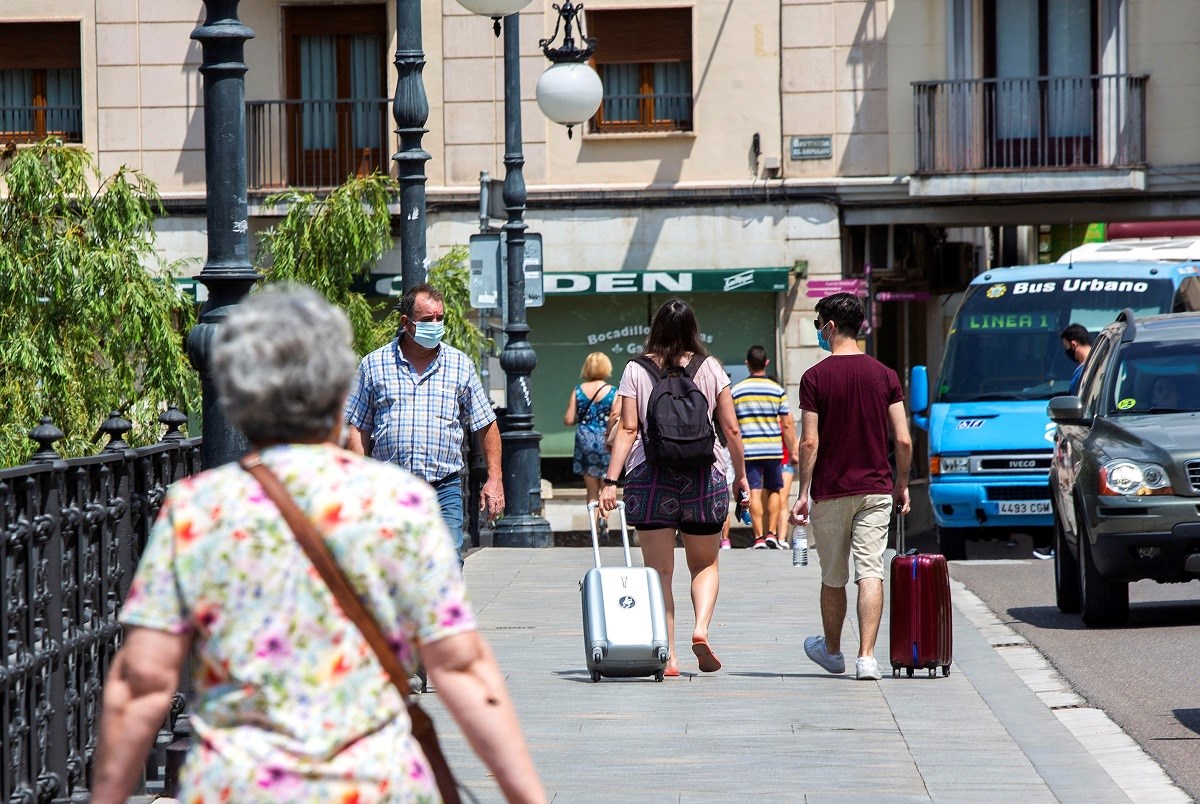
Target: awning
(743, 280)
(740, 280)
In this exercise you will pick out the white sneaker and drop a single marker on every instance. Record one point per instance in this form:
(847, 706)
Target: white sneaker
(867, 668)
(814, 648)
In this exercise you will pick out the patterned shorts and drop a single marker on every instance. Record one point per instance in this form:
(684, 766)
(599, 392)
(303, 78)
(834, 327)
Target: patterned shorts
(693, 500)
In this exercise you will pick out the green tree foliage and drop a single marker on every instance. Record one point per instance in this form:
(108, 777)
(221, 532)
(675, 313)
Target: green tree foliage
(87, 327)
(332, 243)
(329, 243)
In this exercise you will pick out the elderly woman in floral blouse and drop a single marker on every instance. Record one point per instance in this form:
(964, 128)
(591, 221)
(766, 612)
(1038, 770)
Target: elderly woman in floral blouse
(289, 702)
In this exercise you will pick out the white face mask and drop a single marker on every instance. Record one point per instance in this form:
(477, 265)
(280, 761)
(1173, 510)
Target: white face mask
(428, 334)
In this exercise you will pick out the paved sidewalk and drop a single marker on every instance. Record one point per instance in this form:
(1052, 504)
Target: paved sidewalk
(770, 725)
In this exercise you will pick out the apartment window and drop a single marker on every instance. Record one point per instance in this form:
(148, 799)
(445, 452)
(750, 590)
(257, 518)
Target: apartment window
(644, 59)
(40, 82)
(336, 86)
(1042, 55)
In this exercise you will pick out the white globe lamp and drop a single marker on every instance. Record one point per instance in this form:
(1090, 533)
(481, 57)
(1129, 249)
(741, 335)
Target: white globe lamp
(493, 8)
(569, 93)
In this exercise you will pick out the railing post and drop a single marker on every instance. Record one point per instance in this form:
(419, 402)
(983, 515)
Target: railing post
(43, 591)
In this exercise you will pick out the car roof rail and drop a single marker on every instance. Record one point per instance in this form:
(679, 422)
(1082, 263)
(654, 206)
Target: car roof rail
(1129, 317)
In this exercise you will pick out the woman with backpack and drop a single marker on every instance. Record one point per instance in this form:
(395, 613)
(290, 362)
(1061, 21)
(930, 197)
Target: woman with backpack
(675, 472)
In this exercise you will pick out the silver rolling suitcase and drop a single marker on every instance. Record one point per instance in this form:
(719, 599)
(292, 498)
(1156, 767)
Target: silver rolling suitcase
(624, 617)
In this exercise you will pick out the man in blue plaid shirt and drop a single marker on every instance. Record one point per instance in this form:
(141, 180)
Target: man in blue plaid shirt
(410, 401)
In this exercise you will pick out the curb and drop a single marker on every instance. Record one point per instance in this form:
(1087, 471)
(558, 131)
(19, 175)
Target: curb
(1133, 770)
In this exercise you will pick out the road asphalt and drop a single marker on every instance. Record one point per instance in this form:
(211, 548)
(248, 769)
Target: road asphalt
(1141, 674)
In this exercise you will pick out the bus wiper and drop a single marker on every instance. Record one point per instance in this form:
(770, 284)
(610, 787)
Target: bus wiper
(1172, 410)
(997, 397)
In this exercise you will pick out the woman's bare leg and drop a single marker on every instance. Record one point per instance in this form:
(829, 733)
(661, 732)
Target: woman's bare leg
(593, 485)
(658, 553)
(702, 555)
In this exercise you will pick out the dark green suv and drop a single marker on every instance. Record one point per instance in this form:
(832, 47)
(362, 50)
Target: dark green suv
(1125, 477)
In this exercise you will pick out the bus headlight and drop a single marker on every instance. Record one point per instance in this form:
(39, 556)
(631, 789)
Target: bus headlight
(1122, 478)
(949, 465)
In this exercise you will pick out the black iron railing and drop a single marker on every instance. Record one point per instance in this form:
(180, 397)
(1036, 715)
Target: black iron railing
(1035, 123)
(71, 533)
(655, 111)
(22, 124)
(316, 143)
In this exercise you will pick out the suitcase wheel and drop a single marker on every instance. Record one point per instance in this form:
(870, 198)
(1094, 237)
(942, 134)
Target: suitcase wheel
(945, 670)
(910, 671)
(933, 672)
(595, 675)
(658, 676)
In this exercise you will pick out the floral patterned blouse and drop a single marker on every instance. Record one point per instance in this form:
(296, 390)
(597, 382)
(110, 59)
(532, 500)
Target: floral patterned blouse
(288, 701)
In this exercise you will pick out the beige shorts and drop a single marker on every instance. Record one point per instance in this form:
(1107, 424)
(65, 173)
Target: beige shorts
(846, 526)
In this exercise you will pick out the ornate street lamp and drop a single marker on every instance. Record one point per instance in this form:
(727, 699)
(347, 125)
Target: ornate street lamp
(521, 526)
(227, 273)
(569, 92)
(410, 108)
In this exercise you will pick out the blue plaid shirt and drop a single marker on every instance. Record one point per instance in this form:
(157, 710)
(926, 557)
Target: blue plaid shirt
(416, 420)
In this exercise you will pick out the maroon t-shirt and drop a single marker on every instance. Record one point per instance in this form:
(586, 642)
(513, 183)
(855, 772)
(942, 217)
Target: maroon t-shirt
(850, 395)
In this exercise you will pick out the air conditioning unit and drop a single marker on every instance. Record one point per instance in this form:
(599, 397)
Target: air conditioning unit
(953, 266)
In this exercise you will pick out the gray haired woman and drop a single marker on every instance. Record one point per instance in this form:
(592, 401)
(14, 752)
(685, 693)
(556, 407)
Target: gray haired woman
(288, 701)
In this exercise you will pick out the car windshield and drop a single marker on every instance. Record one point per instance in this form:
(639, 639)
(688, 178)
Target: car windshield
(1005, 341)
(1155, 378)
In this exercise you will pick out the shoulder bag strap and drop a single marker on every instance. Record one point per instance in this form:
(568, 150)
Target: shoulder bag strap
(591, 401)
(323, 561)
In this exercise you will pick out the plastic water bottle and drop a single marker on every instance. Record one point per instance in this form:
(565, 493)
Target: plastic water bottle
(800, 546)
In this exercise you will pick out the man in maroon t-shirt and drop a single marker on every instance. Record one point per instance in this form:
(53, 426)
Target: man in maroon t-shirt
(849, 402)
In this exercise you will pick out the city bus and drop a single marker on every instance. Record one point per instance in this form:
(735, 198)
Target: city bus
(990, 438)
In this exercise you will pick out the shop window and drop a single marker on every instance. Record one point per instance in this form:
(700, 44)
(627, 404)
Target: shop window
(647, 79)
(40, 82)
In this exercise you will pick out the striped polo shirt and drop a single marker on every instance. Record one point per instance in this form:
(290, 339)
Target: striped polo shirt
(759, 402)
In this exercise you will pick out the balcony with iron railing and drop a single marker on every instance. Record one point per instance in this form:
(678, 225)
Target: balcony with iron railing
(26, 124)
(316, 144)
(643, 112)
(1039, 123)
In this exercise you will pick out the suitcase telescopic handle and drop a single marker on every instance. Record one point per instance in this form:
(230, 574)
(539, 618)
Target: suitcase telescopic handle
(899, 533)
(592, 506)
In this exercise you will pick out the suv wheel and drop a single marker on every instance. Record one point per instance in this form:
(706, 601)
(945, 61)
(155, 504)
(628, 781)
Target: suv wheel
(1102, 602)
(952, 542)
(1066, 572)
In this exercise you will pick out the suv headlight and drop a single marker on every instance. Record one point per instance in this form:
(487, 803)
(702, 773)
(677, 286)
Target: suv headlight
(1124, 477)
(946, 465)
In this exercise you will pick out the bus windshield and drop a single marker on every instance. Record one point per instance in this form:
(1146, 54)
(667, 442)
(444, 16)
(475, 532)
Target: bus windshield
(1005, 341)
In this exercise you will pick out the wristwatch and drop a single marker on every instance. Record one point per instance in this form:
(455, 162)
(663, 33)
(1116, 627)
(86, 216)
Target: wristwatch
(608, 481)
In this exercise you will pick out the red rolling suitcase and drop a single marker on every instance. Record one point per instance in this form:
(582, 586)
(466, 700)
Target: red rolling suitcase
(922, 635)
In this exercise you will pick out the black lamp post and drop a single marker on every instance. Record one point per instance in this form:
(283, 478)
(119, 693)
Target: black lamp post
(227, 273)
(410, 108)
(521, 525)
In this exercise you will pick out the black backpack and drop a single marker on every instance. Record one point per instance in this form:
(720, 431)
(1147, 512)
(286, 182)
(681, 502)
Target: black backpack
(678, 430)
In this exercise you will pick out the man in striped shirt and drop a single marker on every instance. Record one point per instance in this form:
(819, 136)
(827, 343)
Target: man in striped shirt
(766, 423)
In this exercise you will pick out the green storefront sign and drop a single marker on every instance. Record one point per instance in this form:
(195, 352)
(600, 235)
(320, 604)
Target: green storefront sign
(615, 320)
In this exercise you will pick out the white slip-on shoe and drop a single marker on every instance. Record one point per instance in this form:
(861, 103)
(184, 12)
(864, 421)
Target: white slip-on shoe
(814, 648)
(867, 668)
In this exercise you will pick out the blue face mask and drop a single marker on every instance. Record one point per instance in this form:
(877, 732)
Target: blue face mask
(822, 341)
(428, 334)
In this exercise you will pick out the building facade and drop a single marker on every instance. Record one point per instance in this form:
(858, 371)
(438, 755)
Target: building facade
(745, 151)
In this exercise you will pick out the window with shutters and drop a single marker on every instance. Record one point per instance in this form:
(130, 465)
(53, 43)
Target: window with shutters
(647, 78)
(40, 82)
(336, 87)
